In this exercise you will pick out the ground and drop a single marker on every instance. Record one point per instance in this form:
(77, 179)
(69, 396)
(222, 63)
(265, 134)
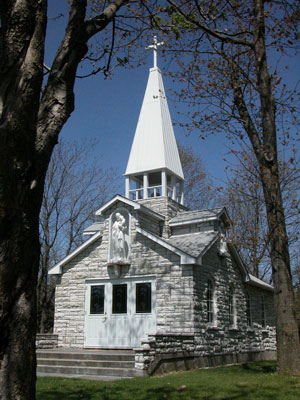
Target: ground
(254, 381)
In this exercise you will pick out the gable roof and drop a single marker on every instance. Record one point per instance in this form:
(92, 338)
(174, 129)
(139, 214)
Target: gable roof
(154, 145)
(57, 269)
(193, 217)
(185, 258)
(194, 244)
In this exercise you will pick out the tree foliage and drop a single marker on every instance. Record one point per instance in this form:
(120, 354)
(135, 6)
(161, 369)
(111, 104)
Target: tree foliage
(76, 186)
(199, 189)
(244, 200)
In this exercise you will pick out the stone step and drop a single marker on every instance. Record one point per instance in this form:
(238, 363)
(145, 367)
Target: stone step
(87, 377)
(101, 355)
(86, 363)
(77, 370)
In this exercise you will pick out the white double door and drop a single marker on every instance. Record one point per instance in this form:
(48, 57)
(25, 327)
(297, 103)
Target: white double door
(119, 313)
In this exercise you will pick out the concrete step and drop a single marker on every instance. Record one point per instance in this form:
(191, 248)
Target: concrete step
(118, 355)
(76, 370)
(87, 377)
(86, 363)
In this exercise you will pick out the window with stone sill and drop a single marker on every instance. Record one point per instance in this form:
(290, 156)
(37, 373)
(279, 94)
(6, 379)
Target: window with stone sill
(210, 303)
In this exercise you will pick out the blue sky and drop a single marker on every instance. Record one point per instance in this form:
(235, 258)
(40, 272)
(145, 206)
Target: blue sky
(108, 109)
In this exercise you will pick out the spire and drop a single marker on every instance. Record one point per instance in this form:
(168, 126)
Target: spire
(154, 160)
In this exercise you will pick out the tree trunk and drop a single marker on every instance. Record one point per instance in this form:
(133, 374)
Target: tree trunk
(19, 256)
(288, 354)
(265, 147)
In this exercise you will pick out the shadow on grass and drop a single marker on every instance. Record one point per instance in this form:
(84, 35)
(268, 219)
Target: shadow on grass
(267, 367)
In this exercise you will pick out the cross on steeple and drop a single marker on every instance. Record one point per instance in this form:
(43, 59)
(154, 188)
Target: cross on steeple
(154, 46)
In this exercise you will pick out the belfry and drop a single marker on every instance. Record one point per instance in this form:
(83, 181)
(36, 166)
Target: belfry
(154, 168)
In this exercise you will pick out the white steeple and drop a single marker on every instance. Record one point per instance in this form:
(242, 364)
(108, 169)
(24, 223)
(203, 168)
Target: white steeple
(154, 167)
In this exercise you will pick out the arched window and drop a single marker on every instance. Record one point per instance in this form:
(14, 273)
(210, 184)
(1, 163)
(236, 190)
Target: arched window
(210, 315)
(231, 307)
(248, 305)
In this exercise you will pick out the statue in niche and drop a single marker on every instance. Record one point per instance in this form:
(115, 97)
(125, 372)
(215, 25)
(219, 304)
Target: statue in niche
(223, 249)
(119, 245)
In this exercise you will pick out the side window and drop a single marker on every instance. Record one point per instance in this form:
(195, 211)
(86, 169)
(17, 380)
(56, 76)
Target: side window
(231, 307)
(210, 313)
(263, 311)
(248, 306)
(97, 300)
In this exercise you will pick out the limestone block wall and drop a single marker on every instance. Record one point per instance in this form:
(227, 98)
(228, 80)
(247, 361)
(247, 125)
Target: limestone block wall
(166, 207)
(222, 337)
(149, 224)
(174, 285)
(163, 347)
(70, 297)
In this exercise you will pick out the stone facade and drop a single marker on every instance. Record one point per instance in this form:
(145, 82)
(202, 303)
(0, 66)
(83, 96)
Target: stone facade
(183, 334)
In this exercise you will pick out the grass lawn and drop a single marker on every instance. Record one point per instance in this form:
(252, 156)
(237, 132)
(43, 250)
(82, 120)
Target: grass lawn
(248, 381)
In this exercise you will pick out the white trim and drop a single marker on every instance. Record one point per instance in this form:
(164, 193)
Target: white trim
(150, 171)
(131, 203)
(192, 221)
(137, 278)
(237, 257)
(260, 283)
(57, 269)
(184, 257)
(201, 220)
(114, 200)
(127, 186)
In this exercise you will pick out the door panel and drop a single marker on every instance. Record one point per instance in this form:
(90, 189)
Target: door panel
(119, 313)
(96, 321)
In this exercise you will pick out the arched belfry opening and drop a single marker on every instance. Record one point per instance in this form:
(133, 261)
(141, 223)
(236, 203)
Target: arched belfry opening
(154, 168)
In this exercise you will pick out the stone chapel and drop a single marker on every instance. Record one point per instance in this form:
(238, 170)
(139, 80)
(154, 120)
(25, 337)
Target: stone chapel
(157, 278)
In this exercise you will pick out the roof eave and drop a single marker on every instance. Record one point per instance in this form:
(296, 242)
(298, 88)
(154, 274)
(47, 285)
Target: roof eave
(209, 246)
(253, 281)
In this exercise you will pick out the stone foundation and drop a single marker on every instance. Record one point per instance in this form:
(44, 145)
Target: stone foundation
(172, 352)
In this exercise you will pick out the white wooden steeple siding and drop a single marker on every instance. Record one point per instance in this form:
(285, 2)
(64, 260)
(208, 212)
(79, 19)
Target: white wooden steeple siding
(154, 168)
